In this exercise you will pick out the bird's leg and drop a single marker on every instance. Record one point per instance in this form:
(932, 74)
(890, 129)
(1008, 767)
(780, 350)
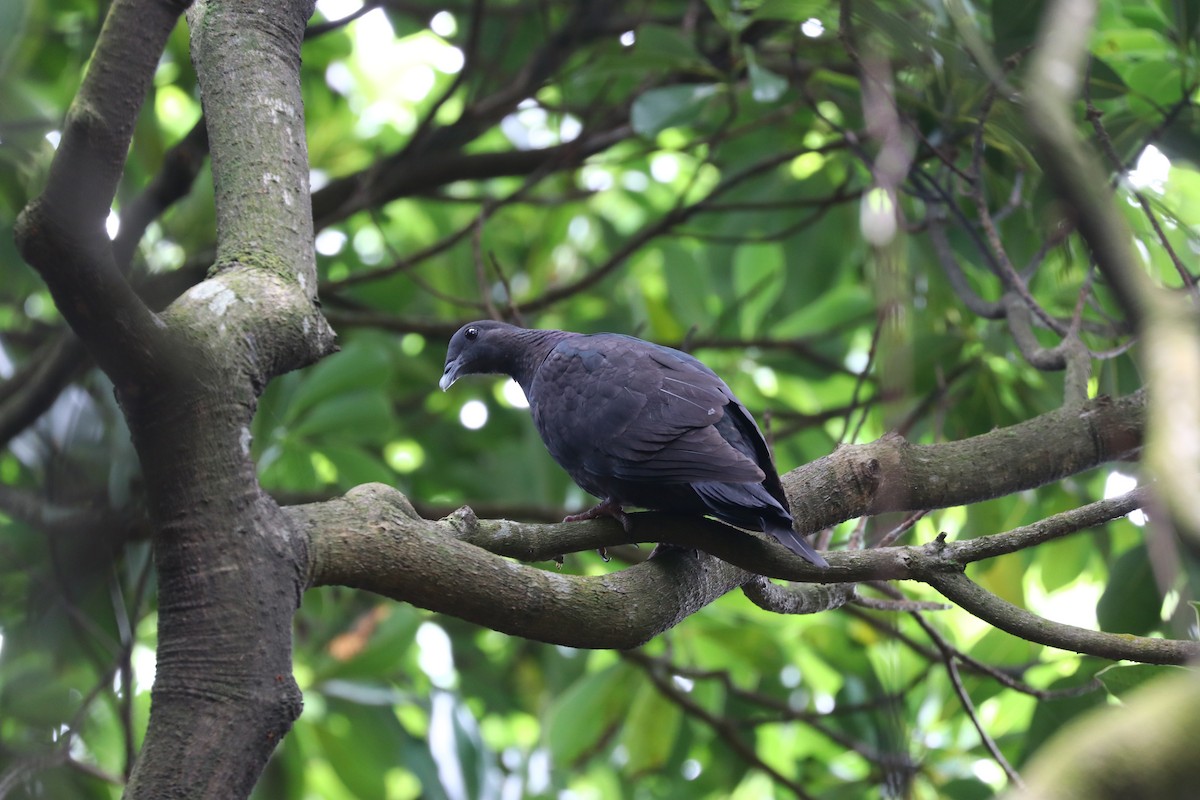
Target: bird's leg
(608, 507)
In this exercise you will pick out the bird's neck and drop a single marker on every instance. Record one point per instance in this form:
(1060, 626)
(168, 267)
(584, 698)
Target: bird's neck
(537, 345)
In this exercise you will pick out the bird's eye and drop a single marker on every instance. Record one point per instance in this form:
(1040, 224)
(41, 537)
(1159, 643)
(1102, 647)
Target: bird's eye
(472, 334)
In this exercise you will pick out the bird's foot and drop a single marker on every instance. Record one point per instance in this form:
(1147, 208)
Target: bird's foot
(606, 508)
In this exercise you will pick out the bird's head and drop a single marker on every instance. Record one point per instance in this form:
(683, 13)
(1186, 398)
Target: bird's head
(485, 346)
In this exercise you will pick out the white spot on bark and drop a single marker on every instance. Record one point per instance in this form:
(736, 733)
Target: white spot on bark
(221, 302)
(279, 108)
(218, 297)
(244, 439)
(269, 177)
(287, 198)
(203, 291)
(306, 326)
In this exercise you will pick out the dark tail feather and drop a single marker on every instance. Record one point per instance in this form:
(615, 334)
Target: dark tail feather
(798, 545)
(750, 505)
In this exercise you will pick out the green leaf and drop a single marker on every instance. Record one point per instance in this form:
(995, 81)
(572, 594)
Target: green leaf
(360, 365)
(1131, 602)
(355, 465)
(361, 743)
(1063, 561)
(1152, 87)
(669, 106)
(364, 416)
(765, 85)
(586, 714)
(1014, 24)
(1120, 680)
(1147, 17)
(1128, 43)
(964, 789)
(791, 10)
(728, 16)
(667, 47)
(838, 306)
(1003, 649)
(1187, 17)
(13, 15)
(1181, 139)
(758, 278)
(1103, 81)
(1051, 715)
(650, 730)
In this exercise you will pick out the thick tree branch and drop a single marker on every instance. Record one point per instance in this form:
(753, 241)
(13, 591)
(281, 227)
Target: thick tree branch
(372, 539)
(892, 474)
(224, 654)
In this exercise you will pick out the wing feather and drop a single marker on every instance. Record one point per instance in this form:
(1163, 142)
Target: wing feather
(610, 405)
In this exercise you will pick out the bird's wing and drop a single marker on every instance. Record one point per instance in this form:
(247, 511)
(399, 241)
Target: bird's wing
(619, 407)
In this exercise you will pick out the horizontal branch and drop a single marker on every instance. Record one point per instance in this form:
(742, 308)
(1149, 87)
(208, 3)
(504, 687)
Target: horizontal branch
(971, 597)
(1076, 519)
(382, 183)
(892, 474)
(372, 539)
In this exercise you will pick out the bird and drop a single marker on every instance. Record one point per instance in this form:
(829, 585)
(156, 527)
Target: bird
(636, 424)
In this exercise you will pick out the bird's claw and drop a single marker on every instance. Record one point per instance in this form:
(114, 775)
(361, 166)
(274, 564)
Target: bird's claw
(605, 508)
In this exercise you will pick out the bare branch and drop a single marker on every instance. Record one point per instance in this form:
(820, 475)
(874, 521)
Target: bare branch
(62, 232)
(1169, 326)
(959, 589)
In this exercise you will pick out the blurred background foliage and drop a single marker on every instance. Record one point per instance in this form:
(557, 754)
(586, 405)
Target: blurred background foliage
(712, 175)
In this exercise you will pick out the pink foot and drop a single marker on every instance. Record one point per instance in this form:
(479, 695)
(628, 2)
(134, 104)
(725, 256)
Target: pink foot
(607, 508)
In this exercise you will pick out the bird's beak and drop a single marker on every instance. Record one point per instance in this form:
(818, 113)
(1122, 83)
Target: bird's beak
(450, 374)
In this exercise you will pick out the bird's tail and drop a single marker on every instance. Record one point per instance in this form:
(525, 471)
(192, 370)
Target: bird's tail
(750, 505)
(797, 544)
